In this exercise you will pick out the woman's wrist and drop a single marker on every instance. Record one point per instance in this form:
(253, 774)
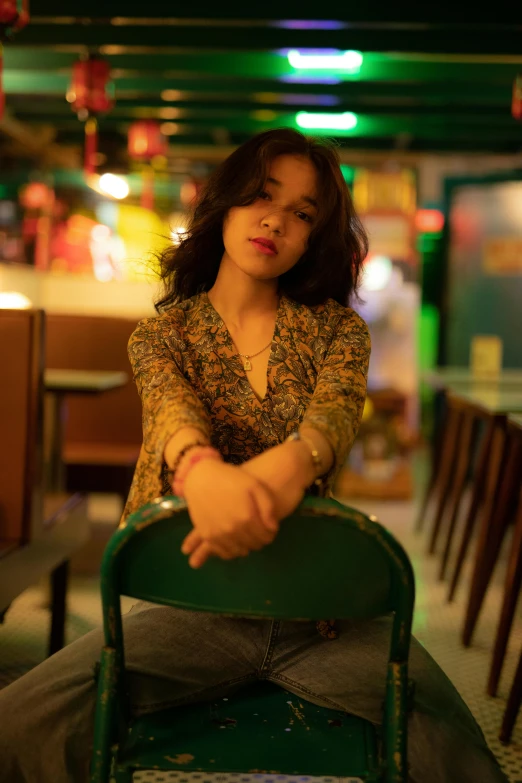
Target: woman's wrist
(178, 443)
(189, 460)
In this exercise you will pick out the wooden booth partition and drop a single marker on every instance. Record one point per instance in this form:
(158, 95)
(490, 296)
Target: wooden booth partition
(38, 532)
(21, 417)
(103, 432)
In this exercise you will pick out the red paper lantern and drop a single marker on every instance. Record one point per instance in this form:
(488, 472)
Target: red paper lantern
(14, 14)
(90, 95)
(146, 140)
(35, 195)
(516, 104)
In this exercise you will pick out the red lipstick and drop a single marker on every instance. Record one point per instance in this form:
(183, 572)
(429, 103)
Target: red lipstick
(264, 246)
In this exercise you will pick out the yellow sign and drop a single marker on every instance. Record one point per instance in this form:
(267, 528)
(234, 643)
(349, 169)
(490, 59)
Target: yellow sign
(486, 357)
(502, 256)
(384, 191)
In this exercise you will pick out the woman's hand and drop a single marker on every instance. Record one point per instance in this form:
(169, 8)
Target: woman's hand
(232, 512)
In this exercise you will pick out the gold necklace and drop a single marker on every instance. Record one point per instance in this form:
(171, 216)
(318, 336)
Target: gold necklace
(247, 364)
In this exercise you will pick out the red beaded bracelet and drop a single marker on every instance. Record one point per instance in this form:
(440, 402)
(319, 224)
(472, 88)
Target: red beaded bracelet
(188, 462)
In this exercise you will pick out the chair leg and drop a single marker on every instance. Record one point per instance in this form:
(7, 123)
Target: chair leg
(59, 580)
(498, 497)
(476, 499)
(513, 705)
(448, 455)
(461, 472)
(435, 469)
(511, 592)
(105, 718)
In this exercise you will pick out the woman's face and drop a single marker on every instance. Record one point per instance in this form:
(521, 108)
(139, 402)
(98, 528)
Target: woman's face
(268, 237)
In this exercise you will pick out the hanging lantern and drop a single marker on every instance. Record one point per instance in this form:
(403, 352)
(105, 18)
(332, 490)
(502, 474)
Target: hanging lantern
(145, 142)
(35, 195)
(89, 95)
(14, 14)
(516, 104)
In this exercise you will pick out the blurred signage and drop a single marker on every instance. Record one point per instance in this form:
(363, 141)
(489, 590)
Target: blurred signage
(486, 357)
(502, 256)
(388, 235)
(384, 191)
(429, 221)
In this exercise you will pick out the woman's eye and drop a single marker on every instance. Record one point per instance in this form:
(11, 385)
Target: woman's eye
(304, 216)
(264, 195)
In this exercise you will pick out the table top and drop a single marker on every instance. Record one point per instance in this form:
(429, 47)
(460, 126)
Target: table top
(493, 400)
(83, 381)
(516, 419)
(453, 377)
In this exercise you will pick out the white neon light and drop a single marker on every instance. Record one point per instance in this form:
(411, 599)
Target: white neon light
(342, 61)
(114, 186)
(345, 121)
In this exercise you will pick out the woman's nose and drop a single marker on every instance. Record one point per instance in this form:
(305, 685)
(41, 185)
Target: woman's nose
(275, 221)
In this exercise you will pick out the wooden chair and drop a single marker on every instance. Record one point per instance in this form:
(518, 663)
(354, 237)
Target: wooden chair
(454, 465)
(38, 533)
(499, 490)
(513, 580)
(483, 486)
(368, 574)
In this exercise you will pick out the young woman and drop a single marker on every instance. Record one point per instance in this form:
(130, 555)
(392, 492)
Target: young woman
(253, 381)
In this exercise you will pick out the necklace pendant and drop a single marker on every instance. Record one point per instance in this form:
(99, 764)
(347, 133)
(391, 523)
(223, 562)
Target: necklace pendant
(247, 365)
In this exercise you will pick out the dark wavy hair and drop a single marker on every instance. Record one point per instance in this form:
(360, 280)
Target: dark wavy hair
(331, 265)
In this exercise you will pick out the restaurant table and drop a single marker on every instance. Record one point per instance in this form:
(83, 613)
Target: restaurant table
(59, 384)
(442, 378)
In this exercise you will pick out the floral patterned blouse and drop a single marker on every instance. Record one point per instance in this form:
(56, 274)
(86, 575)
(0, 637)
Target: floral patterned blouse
(188, 373)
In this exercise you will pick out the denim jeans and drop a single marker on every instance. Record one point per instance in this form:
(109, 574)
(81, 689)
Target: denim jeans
(175, 657)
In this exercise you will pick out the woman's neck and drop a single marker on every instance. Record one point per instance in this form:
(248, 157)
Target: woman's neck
(239, 298)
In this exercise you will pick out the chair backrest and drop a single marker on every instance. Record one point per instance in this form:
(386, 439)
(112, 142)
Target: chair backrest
(21, 422)
(327, 561)
(81, 342)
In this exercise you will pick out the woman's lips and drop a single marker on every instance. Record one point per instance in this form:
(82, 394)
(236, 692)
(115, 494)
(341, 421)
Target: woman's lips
(267, 248)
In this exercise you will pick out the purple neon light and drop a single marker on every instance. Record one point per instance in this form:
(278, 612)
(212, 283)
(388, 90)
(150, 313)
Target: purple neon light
(310, 24)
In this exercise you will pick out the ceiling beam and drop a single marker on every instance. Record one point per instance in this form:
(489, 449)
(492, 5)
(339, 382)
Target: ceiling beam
(495, 39)
(220, 110)
(262, 74)
(353, 13)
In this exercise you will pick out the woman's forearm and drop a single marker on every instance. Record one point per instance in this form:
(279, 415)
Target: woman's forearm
(289, 468)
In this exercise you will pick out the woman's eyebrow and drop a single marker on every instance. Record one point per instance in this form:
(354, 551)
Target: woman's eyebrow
(308, 199)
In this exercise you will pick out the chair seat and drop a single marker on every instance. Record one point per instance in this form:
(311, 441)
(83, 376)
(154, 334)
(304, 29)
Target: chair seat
(260, 728)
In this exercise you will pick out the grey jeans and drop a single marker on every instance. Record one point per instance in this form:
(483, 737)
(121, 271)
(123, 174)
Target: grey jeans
(176, 657)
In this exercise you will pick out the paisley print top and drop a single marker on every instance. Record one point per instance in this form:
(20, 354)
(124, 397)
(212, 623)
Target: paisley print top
(188, 372)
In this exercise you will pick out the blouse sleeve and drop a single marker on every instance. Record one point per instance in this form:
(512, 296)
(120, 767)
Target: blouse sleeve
(337, 404)
(168, 401)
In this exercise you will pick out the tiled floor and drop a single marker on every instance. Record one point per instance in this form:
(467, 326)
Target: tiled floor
(437, 626)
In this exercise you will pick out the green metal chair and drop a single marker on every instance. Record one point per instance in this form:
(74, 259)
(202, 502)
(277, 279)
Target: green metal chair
(327, 561)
